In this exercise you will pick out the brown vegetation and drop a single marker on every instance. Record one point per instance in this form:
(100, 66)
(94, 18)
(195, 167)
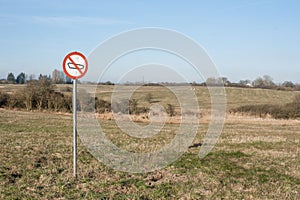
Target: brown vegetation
(42, 95)
(287, 111)
(252, 160)
(37, 95)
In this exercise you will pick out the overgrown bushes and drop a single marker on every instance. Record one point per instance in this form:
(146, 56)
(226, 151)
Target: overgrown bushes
(170, 110)
(132, 107)
(37, 95)
(4, 99)
(287, 111)
(41, 95)
(102, 106)
(128, 107)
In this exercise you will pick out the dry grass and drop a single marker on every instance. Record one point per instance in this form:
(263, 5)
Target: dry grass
(254, 158)
(236, 97)
(9, 88)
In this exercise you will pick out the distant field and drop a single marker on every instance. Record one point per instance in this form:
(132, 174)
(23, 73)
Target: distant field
(254, 158)
(235, 96)
(10, 87)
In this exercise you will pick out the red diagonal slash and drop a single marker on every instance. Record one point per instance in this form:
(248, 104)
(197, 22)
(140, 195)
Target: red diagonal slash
(76, 66)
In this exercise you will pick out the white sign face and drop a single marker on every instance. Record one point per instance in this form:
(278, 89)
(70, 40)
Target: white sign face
(75, 65)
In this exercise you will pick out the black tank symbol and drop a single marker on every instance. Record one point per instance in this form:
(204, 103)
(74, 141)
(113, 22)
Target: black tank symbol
(71, 66)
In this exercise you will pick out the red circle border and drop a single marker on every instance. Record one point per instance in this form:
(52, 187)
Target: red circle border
(65, 60)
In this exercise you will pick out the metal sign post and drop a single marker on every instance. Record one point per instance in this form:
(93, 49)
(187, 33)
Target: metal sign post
(75, 127)
(75, 66)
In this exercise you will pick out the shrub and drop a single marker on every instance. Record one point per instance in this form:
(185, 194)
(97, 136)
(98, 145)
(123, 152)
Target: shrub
(128, 107)
(37, 95)
(16, 100)
(66, 89)
(286, 111)
(102, 106)
(4, 98)
(170, 110)
(133, 106)
(59, 102)
(258, 110)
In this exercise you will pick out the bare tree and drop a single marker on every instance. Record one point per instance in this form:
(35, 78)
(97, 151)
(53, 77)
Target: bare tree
(264, 82)
(258, 82)
(245, 82)
(288, 84)
(43, 91)
(31, 77)
(268, 81)
(58, 77)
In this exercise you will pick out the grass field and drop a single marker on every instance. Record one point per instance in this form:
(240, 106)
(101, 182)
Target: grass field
(235, 96)
(254, 158)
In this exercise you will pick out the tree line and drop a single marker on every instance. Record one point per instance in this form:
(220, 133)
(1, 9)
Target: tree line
(58, 77)
(264, 82)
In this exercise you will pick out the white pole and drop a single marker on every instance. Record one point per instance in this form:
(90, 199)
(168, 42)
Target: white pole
(75, 127)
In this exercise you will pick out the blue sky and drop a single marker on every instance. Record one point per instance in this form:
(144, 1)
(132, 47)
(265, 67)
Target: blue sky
(244, 38)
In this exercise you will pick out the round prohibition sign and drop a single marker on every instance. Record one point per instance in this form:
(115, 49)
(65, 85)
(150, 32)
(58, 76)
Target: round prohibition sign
(75, 65)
